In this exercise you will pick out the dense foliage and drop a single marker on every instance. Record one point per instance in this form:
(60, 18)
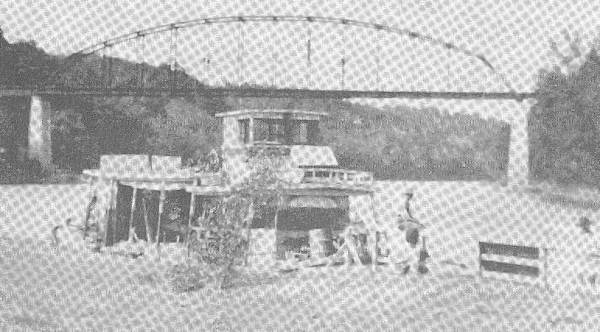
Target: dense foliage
(398, 143)
(218, 241)
(564, 124)
(407, 143)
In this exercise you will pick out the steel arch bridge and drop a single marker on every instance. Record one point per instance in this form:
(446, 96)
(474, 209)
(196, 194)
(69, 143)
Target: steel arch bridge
(171, 80)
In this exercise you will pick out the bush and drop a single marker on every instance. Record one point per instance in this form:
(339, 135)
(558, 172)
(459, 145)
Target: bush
(188, 277)
(222, 242)
(222, 246)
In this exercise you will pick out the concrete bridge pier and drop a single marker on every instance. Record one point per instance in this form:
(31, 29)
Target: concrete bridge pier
(518, 151)
(39, 132)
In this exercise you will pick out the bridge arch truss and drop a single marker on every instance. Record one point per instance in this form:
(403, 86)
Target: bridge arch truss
(175, 87)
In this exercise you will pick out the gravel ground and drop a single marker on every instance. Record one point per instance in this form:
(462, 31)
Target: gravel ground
(44, 288)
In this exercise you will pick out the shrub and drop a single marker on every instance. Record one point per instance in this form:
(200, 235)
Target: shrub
(188, 277)
(220, 244)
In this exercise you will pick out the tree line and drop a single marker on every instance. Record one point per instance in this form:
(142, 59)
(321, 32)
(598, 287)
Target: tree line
(394, 143)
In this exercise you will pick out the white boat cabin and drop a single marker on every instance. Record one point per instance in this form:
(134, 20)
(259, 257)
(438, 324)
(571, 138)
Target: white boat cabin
(292, 133)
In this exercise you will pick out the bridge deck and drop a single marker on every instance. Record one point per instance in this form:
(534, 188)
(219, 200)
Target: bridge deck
(274, 93)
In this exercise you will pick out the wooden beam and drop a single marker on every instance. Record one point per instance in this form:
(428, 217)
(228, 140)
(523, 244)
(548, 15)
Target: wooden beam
(131, 214)
(146, 221)
(502, 267)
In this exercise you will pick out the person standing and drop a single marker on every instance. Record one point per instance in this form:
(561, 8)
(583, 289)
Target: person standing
(405, 238)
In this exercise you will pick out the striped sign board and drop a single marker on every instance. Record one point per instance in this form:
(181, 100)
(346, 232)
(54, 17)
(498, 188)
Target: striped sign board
(522, 262)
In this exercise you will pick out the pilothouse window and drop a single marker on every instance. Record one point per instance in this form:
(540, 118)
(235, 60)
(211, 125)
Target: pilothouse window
(300, 132)
(279, 131)
(269, 130)
(305, 132)
(245, 130)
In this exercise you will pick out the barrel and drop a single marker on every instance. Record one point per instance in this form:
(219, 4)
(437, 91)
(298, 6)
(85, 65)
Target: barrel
(320, 242)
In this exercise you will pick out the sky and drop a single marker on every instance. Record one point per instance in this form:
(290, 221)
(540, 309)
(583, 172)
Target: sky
(513, 35)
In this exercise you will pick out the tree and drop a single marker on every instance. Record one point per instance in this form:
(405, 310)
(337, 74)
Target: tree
(569, 59)
(184, 130)
(224, 241)
(564, 123)
(72, 146)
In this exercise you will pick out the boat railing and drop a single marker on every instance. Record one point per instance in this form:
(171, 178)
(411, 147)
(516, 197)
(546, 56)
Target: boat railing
(322, 174)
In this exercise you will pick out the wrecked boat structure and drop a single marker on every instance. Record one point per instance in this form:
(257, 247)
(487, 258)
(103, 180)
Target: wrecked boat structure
(152, 197)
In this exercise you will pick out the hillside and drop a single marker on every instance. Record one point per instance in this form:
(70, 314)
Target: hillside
(394, 143)
(407, 143)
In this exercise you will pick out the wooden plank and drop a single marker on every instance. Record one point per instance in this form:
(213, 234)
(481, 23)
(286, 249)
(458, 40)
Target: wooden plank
(512, 260)
(525, 270)
(509, 250)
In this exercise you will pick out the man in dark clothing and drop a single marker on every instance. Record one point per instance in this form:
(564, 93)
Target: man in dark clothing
(412, 228)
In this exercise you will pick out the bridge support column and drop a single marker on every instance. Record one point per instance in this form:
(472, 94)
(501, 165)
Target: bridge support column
(518, 151)
(40, 141)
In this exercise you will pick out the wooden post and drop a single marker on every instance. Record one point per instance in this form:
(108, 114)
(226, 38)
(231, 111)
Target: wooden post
(146, 222)
(372, 243)
(87, 209)
(190, 218)
(251, 130)
(161, 206)
(192, 206)
(248, 225)
(133, 201)
(115, 214)
(373, 233)
(192, 209)
(110, 211)
(281, 202)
